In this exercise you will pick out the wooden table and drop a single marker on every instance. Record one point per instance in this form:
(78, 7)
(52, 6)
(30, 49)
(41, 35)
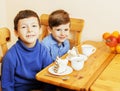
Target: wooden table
(82, 80)
(109, 80)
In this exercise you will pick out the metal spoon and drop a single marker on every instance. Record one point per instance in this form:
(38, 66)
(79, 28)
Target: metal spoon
(65, 78)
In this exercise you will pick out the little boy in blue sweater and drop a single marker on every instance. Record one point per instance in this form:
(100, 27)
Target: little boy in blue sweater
(26, 57)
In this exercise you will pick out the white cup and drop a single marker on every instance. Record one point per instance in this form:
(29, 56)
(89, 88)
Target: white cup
(88, 49)
(77, 63)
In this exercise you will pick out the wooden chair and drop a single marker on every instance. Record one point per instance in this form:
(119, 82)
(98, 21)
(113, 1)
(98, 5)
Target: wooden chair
(4, 39)
(76, 29)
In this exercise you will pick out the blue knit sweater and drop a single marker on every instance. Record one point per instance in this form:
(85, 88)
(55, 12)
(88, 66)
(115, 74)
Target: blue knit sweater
(20, 65)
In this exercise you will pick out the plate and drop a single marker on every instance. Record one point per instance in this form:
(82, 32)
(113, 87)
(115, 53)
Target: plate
(68, 71)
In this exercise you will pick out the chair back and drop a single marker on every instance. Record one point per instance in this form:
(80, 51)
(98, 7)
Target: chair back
(75, 29)
(4, 39)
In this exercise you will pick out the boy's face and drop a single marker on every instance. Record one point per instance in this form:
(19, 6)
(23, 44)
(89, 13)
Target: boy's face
(28, 31)
(61, 32)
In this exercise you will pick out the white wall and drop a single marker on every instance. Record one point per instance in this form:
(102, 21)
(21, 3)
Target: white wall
(3, 16)
(99, 15)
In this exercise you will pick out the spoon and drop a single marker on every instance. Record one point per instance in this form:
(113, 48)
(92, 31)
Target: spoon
(65, 78)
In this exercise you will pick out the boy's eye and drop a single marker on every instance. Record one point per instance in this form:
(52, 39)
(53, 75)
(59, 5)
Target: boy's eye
(66, 30)
(23, 27)
(58, 29)
(34, 25)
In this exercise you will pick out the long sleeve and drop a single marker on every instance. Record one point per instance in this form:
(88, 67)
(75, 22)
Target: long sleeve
(8, 73)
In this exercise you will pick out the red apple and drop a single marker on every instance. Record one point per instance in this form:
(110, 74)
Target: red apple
(112, 41)
(118, 39)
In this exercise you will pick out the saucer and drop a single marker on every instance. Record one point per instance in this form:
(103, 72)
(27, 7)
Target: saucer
(88, 49)
(67, 71)
(79, 56)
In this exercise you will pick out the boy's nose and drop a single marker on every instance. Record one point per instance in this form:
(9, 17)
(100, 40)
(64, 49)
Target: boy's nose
(62, 32)
(29, 29)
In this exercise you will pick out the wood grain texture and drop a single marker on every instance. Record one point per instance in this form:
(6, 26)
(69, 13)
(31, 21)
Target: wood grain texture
(82, 80)
(109, 80)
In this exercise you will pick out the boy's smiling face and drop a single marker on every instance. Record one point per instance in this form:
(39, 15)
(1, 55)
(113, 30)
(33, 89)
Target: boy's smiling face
(28, 30)
(61, 32)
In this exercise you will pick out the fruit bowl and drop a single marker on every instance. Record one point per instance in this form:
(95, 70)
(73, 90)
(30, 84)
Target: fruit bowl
(112, 40)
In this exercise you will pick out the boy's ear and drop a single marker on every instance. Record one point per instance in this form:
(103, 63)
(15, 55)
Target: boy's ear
(16, 33)
(40, 31)
(49, 29)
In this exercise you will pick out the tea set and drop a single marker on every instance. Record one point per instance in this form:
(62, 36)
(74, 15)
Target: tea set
(77, 60)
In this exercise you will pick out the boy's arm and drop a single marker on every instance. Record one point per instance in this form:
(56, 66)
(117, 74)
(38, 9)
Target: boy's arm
(46, 57)
(7, 77)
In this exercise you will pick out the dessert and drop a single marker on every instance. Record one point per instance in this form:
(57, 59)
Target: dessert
(60, 65)
(72, 53)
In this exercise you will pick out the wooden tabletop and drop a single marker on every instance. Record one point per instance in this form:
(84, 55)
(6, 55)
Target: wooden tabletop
(82, 79)
(109, 80)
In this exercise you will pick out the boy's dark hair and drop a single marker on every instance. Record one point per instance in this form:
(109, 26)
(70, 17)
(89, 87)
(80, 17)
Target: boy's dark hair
(24, 14)
(57, 18)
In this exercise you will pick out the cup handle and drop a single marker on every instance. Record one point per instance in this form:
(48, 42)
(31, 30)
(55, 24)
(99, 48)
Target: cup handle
(93, 50)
